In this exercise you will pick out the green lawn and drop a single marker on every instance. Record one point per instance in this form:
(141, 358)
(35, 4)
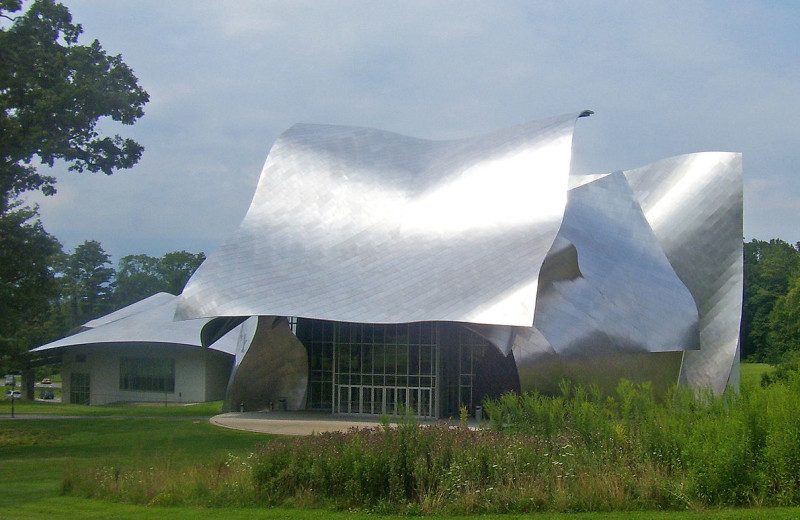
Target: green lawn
(23, 407)
(751, 372)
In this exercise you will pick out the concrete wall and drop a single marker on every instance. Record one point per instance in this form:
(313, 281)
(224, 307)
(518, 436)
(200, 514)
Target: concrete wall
(198, 372)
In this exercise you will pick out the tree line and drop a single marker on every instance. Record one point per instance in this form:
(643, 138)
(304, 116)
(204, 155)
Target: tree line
(771, 313)
(81, 285)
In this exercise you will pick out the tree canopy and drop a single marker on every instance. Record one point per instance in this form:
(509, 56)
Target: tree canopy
(771, 277)
(86, 282)
(140, 276)
(27, 281)
(53, 92)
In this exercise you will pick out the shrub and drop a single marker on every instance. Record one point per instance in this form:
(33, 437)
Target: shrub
(578, 451)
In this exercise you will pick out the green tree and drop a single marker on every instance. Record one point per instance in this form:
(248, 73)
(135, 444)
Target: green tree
(140, 276)
(53, 92)
(177, 267)
(27, 280)
(768, 269)
(86, 282)
(136, 279)
(784, 324)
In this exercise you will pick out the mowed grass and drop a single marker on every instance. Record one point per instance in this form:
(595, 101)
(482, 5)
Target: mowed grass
(751, 372)
(34, 454)
(23, 407)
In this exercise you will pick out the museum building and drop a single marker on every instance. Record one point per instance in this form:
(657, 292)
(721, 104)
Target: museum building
(393, 273)
(376, 273)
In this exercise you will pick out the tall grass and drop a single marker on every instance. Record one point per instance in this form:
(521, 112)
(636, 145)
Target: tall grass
(578, 451)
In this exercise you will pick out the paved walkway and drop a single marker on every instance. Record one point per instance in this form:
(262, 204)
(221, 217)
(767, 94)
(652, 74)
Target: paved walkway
(292, 423)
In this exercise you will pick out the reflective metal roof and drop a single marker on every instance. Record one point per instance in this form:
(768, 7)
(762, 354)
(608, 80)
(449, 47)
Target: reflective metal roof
(361, 225)
(147, 321)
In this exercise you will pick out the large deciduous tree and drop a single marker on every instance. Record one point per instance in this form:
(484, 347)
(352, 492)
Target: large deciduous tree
(136, 279)
(53, 92)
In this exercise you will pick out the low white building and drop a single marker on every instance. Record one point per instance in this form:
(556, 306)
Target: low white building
(139, 354)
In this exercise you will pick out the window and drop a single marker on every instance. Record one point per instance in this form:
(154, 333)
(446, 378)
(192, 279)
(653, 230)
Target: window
(370, 368)
(79, 388)
(147, 374)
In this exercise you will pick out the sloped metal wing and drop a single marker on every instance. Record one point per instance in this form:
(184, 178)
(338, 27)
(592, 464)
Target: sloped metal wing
(361, 225)
(627, 297)
(694, 206)
(146, 321)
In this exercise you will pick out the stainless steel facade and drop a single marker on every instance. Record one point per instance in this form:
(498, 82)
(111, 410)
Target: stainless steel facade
(639, 271)
(360, 225)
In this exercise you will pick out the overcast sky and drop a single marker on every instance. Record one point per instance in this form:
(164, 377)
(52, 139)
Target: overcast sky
(226, 78)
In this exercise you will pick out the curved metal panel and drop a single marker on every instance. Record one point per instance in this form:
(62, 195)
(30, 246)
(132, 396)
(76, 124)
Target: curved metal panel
(146, 321)
(694, 205)
(608, 302)
(151, 302)
(361, 225)
(627, 297)
(271, 367)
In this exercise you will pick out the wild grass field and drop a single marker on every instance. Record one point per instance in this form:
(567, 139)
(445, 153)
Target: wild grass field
(183, 459)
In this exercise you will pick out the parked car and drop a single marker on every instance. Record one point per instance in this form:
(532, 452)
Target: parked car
(46, 381)
(47, 394)
(16, 394)
(10, 381)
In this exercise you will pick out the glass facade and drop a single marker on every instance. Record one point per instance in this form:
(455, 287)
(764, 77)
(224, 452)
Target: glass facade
(461, 357)
(423, 368)
(147, 374)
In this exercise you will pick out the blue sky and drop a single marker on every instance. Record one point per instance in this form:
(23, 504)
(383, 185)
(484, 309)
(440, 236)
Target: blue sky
(226, 78)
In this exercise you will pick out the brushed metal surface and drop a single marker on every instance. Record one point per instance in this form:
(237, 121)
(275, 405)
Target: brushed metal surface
(630, 274)
(694, 205)
(271, 367)
(627, 297)
(693, 209)
(146, 321)
(361, 225)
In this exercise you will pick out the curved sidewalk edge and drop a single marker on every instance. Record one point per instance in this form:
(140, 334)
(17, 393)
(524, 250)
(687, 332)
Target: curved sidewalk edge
(289, 423)
(296, 423)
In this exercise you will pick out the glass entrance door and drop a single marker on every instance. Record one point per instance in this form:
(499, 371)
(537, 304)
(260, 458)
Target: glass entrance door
(385, 369)
(426, 368)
